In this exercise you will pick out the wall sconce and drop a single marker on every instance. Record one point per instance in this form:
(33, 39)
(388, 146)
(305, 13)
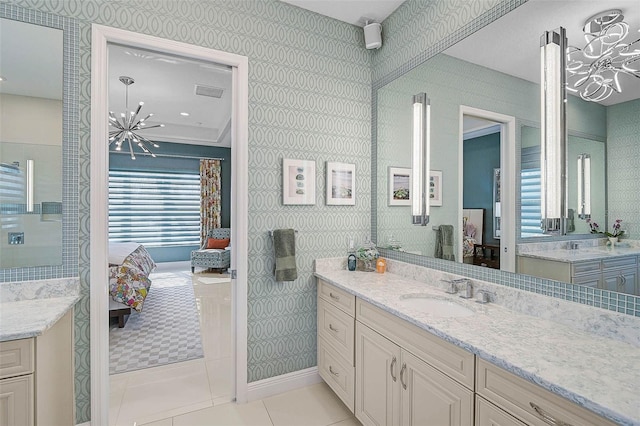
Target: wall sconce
(29, 186)
(584, 186)
(553, 45)
(420, 159)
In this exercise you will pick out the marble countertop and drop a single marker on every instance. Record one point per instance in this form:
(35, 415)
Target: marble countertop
(29, 318)
(591, 253)
(595, 372)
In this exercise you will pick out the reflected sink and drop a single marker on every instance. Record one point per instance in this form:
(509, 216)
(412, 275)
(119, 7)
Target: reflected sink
(433, 306)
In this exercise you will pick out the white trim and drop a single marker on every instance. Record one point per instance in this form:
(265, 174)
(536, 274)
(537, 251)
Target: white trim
(508, 181)
(283, 383)
(101, 36)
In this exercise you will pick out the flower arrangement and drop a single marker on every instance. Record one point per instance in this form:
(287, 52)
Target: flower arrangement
(367, 253)
(615, 229)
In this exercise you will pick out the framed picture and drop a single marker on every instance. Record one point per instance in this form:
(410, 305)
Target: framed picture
(435, 188)
(298, 181)
(341, 183)
(399, 186)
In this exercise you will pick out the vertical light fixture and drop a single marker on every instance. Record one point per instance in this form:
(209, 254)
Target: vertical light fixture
(553, 46)
(584, 186)
(30, 186)
(420, 159)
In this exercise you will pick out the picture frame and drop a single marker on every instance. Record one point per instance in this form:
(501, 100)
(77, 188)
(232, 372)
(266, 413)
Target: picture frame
(399, 180)
(341, 183)
(435, 188)
(298, 182)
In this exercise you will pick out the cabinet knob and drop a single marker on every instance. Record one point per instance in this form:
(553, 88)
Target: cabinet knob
(332, 328)
(333, 296)
(333, 372)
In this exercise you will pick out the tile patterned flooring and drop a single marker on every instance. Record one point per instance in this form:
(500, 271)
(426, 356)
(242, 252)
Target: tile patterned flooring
(199, 392)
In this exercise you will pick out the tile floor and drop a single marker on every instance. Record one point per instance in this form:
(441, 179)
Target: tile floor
(199, 392)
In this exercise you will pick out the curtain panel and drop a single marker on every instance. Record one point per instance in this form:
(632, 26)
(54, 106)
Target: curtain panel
(210, 196)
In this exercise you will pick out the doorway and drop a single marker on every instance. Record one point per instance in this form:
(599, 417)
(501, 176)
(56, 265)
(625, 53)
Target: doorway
(499, 214)
(101, 38)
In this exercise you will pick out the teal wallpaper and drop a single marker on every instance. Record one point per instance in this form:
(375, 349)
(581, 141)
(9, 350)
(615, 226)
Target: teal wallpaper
(623, 172)
(309, 98)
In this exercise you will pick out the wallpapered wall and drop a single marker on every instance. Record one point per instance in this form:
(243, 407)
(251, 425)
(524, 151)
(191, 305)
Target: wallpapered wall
(309, 98)
(623, 173)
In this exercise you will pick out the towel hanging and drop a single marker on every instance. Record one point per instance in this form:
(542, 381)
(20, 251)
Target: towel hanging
(284, 247)
(444, 243)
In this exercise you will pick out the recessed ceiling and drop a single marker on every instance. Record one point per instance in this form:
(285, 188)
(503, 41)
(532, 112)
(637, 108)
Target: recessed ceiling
(191, 98)
(355, 12)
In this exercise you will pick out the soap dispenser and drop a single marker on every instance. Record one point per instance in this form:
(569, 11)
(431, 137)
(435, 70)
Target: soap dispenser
(351, 257)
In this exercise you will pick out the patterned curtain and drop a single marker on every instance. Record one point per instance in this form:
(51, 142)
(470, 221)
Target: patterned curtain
(209, 196)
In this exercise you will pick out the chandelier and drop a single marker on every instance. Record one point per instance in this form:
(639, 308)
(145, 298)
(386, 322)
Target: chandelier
(128, 126)
(594, 71)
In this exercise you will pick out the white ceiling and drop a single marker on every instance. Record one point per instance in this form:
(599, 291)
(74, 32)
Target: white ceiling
(166, 85)
(512, 43)
(355, 12)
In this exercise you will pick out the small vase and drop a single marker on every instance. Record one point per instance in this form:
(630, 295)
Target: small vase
(368, 266)
(613, 241)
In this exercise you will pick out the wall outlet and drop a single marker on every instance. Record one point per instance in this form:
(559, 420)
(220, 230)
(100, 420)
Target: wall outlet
(16, 238)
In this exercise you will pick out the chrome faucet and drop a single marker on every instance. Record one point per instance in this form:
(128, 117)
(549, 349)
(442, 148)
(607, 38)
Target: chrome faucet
(468, 289)
(453, 284)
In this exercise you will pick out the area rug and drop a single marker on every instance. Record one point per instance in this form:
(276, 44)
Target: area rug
(166, 331)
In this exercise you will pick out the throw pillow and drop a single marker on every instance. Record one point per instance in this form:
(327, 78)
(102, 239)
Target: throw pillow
(214, 243)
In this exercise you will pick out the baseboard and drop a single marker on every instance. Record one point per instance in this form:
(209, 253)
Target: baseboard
(284, 383)
(84, 424)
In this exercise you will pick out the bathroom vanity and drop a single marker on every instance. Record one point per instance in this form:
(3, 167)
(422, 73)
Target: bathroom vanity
(392, 362)
(37, 361)
(614, 269)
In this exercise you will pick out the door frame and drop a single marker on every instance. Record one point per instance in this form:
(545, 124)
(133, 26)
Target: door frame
(507, 184)
(99, 282)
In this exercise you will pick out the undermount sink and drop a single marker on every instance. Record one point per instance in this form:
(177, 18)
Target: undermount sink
(436, 307)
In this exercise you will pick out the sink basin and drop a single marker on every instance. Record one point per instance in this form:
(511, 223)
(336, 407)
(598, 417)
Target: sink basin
(434, 306)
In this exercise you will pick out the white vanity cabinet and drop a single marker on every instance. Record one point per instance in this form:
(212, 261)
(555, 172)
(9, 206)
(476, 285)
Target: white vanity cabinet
(36, 378)
(616, 274)
(400, 374)
(517, 401)
(336, 325)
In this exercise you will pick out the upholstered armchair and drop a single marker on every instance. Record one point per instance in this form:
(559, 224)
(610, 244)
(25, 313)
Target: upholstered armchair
(215, 258)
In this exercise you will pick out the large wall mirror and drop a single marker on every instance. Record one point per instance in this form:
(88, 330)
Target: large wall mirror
(496, 69)
(38, 146)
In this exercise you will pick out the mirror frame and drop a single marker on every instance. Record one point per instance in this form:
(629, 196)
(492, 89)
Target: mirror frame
(70, 146)
(566, 291)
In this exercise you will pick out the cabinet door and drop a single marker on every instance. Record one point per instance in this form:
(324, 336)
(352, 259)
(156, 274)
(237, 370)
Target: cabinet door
(623, 281)
(430, 397)
(590, 280)
(488, 414)
(377, 378)
(16, 401)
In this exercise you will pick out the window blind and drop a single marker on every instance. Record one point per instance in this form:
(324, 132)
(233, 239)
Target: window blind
(531, 213)
(156, 209)
(12, 195)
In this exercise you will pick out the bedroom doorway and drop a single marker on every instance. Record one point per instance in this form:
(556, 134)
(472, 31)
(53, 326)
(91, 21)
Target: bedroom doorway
(159, 51)
(487, 188)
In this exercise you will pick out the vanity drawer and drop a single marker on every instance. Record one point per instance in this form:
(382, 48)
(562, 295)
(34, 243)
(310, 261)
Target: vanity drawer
(16, 357)
(337, 373)
(518, 397)
(337, 328)
(337, 297)
(450, 359)
(619, 262)
(585, 267)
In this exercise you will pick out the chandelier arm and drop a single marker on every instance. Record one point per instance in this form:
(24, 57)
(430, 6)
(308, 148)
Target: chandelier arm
(148, 141)
(133, 156)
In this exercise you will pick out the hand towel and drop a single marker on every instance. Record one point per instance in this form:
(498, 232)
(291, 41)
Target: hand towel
(284, 246)
(444, 243)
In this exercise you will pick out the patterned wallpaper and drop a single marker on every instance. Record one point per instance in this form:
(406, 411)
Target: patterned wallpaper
(623, 158)
(309, 88)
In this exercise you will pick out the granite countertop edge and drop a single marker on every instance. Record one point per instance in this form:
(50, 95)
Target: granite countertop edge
(570, 256)
(485, 353)
(35, 316)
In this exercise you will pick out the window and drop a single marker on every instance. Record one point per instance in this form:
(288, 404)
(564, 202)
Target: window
(156, 209)
(531, 213)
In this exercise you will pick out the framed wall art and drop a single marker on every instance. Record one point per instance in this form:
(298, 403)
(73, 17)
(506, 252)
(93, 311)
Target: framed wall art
(298, 182)
(341, 182)
(399, 179)
(435, 188)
